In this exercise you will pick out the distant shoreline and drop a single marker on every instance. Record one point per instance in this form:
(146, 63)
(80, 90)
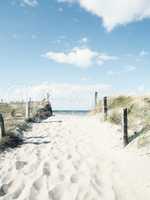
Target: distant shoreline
(73, 112)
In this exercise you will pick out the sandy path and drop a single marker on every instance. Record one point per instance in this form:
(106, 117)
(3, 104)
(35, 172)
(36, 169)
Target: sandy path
(74, 158)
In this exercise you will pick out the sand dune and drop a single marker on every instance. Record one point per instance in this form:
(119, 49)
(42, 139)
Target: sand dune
(74, 158)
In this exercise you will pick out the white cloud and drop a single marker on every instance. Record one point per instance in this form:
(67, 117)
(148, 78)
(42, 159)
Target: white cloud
(81, 57)
(62, 95)
(126, 69)
(129, 68)
(31, 3)
(65, 95)
(143, 53)
(116, 12)
(84, 40)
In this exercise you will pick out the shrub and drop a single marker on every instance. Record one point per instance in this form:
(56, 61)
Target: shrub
(115, 117)
(121, 101)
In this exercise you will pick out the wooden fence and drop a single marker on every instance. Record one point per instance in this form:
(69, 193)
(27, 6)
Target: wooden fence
(14, 113)
(124, 123)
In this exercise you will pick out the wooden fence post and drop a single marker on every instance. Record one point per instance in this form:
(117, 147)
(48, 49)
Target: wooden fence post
(28, 109)
(96, 98)
(105, 108)
(2, 126)
(47, 97)
(125, 127)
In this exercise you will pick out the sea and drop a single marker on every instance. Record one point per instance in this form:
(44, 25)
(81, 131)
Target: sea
(71, 112)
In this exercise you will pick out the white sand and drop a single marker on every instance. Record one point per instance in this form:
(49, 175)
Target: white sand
(78, 159)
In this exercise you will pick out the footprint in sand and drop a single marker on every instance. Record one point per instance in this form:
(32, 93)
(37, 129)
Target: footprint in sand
(82, 194)
(38, 183)
(97, 180)
(20, 164)
(60, 165)
(36, 187)
(56, 157)
(74, 178)
(77, 164)
(96, 188)
(61, 177)
(4, 188)
(46, 169)
(18, 192)
(69, 156)
(56, 193)
(32, 167)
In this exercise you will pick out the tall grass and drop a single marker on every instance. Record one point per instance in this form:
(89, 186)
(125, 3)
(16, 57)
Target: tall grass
(14, 113)
(138, 113)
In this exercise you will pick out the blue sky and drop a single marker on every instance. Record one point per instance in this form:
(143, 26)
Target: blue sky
(58, 45)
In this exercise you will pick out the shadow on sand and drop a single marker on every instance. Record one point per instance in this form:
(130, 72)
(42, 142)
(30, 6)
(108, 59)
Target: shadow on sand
(37, 140)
